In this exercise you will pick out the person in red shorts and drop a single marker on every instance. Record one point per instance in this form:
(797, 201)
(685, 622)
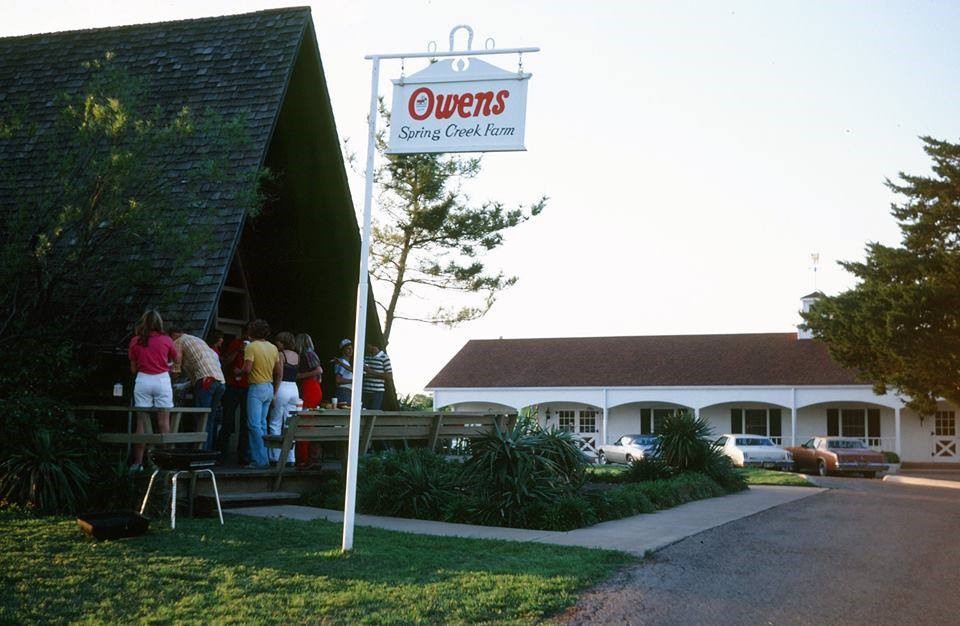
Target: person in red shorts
(310, 376)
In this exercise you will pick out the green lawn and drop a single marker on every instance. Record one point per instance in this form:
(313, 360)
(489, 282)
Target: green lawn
(757, 476)
(259, 571)
(607, 473)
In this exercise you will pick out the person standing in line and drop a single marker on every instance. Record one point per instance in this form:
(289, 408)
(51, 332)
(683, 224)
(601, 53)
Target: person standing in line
(310, 377)
(343, 371)
(376, 372)
(200, 363)
(261, 362)
(287, 398)
(150, 353)
(235, 398)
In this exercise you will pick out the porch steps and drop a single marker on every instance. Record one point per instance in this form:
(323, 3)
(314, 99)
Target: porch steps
(205, 505)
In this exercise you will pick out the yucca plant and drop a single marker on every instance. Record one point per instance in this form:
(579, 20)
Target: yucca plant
(513, 473)
(45, 473)
(684, 441)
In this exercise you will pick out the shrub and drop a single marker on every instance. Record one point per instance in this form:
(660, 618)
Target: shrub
(649, 468)
(680, 489)
(571, 511)
(891, 457)
(410, 483)
(620, 501)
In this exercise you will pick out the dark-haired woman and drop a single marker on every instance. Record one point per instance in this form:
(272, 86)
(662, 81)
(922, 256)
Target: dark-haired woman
(151, 352)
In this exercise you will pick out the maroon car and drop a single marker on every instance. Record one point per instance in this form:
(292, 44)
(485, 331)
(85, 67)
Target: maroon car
(837, 455)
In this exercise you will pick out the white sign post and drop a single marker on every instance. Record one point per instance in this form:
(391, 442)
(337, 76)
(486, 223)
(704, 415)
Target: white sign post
(469, 106)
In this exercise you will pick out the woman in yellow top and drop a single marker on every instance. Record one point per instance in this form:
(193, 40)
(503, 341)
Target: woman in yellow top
(261, 363)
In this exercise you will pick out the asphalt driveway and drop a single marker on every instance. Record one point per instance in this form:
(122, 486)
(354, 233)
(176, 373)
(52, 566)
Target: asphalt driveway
(863, 552)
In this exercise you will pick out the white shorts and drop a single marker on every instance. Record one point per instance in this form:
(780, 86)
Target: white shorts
(153, 390)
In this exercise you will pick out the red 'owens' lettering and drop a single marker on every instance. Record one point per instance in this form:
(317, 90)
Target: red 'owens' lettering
(424, 103)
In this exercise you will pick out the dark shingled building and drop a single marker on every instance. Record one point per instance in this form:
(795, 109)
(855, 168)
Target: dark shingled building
(295, 264)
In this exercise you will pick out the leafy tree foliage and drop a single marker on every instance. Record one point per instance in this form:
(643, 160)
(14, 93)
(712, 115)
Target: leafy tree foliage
(430, 239)
(105, 218)
(900, 326)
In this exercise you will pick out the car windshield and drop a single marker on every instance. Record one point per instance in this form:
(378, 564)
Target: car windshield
(845, 444)
(754, 441)
(644, 440)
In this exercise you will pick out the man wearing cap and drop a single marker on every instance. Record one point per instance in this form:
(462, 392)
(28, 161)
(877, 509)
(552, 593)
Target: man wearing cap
(343, 370)
(376, 372)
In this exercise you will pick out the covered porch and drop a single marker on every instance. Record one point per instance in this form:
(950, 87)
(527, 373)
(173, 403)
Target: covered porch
(788, 415)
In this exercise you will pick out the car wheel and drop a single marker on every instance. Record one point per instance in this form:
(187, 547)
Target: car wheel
(629, 460)
(822, 468)
(870, 474)
(601, 458)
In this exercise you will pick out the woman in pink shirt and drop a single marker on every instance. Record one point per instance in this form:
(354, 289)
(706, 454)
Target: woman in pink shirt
(151, 352)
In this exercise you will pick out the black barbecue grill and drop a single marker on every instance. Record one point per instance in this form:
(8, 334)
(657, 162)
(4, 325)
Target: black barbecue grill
(176, 462)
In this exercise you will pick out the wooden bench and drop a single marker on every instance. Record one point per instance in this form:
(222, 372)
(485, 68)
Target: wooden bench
(197, 437)
(334, 426)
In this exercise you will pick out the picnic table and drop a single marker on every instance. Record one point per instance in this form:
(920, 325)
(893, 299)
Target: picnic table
(333, 425)
(149, 436)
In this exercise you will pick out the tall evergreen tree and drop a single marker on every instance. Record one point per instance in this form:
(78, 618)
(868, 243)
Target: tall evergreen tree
(429, 239)
(900, 326)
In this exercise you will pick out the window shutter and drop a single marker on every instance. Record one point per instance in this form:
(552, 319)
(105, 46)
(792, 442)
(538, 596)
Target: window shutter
(736, 421)
(833, 423)
(873, 422)
(645, 427)
(775, 423)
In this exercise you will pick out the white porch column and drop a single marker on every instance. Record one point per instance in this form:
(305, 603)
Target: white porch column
(896, 429)
(793, 419)
(696, 412)
(603, 435)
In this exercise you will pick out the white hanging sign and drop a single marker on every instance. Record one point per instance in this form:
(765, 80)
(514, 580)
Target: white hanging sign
(459, 105)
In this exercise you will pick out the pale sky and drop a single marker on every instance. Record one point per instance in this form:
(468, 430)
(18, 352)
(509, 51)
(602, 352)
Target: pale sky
(695, 153)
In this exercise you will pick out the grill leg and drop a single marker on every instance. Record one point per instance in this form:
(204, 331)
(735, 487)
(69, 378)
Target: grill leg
(146, 497)
(216, 494)
(173, 502)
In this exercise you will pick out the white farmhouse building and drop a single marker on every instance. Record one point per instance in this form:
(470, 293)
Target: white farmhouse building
(783, 385)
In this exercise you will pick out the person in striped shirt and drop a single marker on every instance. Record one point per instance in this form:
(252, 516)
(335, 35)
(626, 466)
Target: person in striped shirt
(376, 372)
(201, 364)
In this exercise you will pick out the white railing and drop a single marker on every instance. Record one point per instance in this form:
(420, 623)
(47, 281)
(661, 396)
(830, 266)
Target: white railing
(586, 444)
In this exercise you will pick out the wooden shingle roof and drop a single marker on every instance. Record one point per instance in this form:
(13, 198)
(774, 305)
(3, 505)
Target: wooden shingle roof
(677, 360)
(229, 66)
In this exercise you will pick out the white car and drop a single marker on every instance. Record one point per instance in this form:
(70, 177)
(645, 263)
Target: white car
(627, 449)
(755, 451)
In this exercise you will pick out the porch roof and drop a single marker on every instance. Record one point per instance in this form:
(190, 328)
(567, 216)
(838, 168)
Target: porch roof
(666, 360)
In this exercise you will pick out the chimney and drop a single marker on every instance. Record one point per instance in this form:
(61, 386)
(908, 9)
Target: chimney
(805, 303)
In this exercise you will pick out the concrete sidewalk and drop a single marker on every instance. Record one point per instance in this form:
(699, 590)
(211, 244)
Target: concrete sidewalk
(636, 535)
